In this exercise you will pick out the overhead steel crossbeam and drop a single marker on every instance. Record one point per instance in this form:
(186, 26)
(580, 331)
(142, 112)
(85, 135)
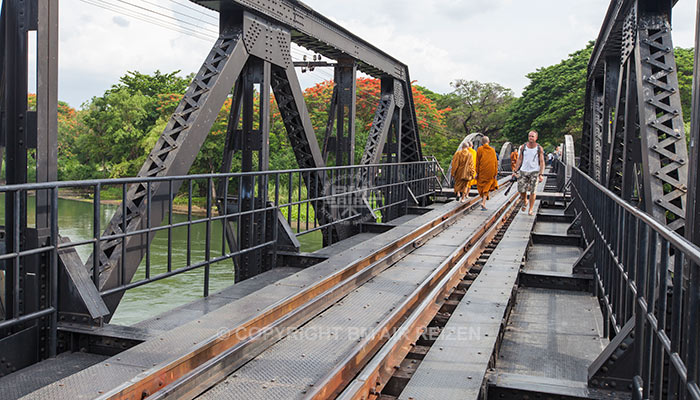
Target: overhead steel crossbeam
(318, 33)
(254, 48)
(633, 139)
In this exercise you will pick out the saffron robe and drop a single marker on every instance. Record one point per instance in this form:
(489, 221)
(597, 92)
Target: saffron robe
(513, 160)
(486, 170)
(473, 181)
(462, 170)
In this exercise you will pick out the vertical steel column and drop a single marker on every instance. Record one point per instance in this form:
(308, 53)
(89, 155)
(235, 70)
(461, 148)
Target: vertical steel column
(341, 114)
(46, 106)
(612, 81)
(615, 152)
(254, 141)
(586, 133)
(15, 47)
(692, 231)
(631, 167)
(664, 150)
(598, 129)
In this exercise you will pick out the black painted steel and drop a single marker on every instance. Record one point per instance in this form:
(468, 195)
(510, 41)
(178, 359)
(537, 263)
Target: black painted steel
(693, 210)
(648, 276)
(651, 166)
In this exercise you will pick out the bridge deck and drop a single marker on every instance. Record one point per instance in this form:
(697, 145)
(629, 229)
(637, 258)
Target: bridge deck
(533, 335)
(231, 312)
(455, 366)
(290, 367)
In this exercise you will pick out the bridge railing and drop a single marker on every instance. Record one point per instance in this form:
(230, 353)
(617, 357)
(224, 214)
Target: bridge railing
(273, 202)
(648, 282)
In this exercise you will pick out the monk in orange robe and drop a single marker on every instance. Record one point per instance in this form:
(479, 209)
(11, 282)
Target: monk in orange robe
(513, 159)
(486, 170)
(473, 153)
(462, 171)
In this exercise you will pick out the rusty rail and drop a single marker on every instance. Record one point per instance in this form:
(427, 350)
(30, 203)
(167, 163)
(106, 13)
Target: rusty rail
(187, 376)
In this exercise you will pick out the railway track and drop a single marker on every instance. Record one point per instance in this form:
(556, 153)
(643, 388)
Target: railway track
(213, 360)
(392, 368)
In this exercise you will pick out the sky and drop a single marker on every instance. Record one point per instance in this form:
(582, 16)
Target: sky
(485, 40)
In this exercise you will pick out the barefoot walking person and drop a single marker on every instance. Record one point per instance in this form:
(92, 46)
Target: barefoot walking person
(486, 170)
(462, 171)
(529, 170)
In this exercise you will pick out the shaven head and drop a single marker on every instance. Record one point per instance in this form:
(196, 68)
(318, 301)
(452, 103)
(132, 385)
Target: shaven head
(532, 136)
(485, 140)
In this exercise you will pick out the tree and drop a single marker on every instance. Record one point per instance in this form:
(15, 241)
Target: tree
(684, 66)
(553, 102)
(477, 107)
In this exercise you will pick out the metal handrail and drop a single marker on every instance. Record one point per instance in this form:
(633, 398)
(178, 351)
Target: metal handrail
(638, 262)
(678, 241)
(132, 180)
(389, 192)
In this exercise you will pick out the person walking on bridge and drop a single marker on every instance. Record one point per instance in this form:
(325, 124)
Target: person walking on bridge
(529, 170)
(513, 159)
(486, 170)
(473, 153)
(462, 170)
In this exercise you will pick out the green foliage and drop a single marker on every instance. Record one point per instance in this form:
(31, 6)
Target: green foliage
(684, 66)
(553, 102)
(111, 132)
(477, 107)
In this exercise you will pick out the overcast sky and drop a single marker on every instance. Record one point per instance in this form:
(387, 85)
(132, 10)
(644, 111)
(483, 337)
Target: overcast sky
(486, 40)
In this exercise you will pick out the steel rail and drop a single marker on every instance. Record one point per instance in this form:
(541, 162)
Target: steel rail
(211, 360)
(407, 321)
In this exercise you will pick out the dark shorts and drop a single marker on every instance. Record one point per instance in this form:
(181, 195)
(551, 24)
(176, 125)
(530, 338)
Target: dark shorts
(527, 181)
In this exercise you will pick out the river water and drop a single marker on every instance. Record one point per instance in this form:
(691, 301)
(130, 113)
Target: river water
(75, 222)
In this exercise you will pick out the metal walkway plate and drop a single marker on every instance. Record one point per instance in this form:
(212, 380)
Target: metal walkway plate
(100, 378)
(552, 333)
(455, 366)
(289, 368)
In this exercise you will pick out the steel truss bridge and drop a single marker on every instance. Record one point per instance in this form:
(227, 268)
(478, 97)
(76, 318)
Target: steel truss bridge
(412, 295)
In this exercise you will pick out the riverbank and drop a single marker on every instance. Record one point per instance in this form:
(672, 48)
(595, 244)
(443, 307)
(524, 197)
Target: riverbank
(177, 208)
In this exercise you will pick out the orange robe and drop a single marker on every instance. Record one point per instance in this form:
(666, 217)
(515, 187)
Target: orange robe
(513, 160)
(486, 170)
(473, 153)
(462, 170)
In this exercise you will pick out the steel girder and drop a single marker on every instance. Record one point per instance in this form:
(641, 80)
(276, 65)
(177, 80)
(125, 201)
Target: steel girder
(665, 155)
(411, 150)
(598, 129)
(632, 165)
(615, 152)
(692, 232)
(586, 133)
(380, 125)
(173, 154)
(611, 86)
(341, 114)
(318, 33)
(652, 155)
(30, 284)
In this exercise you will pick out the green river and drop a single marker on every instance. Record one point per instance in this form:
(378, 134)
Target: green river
(75, 222)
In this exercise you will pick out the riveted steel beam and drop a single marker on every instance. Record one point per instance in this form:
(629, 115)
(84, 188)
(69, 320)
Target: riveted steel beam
(664, 151)
(173, 154)
(318, 33)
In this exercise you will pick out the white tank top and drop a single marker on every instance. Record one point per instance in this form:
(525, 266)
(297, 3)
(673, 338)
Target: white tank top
(531, 159)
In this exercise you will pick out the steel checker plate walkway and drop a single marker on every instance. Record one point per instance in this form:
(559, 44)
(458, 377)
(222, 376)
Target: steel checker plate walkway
(455, 366)
(161, 349)
(287, 369)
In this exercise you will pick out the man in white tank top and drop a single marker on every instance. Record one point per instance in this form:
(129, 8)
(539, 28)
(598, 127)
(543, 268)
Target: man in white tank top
(529, 170)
